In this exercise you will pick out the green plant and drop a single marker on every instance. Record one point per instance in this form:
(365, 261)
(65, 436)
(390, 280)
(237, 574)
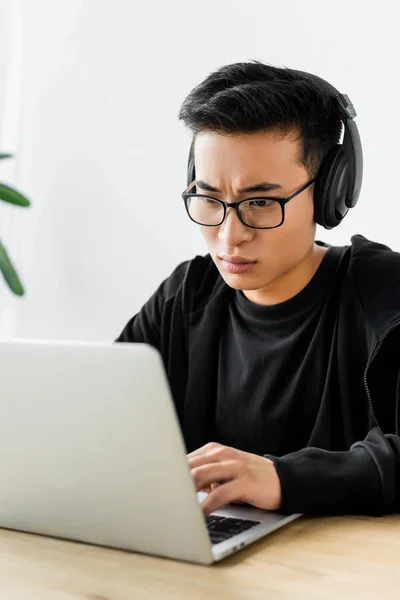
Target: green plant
(8, 194)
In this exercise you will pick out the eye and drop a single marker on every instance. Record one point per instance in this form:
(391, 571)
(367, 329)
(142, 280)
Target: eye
(261, 203)
(210, 202)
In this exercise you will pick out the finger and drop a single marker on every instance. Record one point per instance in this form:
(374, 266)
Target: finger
(208, 489)
(204, 449)
(220, 454)
(207, 474)
(223, 494)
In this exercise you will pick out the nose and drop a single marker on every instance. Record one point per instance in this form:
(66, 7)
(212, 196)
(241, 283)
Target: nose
(233, 232)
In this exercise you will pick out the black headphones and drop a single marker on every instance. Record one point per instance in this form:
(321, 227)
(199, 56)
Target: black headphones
(338, 182)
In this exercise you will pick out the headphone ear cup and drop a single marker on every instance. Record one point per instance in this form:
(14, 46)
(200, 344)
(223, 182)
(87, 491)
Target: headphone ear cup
(331, 189)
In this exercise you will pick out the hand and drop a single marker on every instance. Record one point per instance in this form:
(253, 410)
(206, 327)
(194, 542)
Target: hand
(230, 475)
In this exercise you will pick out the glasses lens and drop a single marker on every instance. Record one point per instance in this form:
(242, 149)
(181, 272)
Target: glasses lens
(261, 212)
(205, 211)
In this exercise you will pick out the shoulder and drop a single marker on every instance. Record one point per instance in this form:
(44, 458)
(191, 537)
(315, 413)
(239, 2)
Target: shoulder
(196, 280)
(375, 269)
(363, 248)
(373, 259)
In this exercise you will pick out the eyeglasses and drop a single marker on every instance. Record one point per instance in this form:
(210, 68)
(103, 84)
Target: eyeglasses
(258, 213)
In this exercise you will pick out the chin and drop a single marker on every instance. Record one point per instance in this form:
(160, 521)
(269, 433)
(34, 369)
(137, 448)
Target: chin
(241, 282)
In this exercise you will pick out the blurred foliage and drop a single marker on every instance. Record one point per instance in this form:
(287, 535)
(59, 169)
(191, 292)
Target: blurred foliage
(12, 196)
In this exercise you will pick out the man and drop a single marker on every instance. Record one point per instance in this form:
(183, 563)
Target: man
(281, 352)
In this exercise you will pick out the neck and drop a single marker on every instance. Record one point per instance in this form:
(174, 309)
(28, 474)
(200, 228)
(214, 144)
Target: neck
(289, 284)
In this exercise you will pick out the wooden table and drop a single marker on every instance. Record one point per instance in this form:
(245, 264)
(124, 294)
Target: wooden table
(337, 557)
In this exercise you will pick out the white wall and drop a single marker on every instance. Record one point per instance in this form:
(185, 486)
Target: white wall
(103, 156)
(10, 117)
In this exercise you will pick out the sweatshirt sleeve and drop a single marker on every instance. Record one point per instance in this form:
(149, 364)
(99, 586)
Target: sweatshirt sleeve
(147, 325)
(362, 480)
(144, 327)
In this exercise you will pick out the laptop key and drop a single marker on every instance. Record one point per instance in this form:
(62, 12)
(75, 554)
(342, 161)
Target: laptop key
(216, 539)
(222, 528)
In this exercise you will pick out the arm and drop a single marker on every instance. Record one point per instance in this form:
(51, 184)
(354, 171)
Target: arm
(362, 480)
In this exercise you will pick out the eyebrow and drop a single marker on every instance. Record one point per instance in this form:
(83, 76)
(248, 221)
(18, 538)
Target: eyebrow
(258, 187)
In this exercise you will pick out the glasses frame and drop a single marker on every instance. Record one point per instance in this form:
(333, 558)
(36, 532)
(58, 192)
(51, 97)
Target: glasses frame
(186, 196)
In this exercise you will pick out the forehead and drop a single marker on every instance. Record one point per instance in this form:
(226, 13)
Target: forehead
(249, 155)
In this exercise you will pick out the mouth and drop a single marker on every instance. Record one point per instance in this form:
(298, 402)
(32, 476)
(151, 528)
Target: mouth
(236, 265)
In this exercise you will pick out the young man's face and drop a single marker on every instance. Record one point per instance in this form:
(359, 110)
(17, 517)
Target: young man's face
(231, 163)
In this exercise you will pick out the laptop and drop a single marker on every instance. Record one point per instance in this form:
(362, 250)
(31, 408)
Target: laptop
(91, 450)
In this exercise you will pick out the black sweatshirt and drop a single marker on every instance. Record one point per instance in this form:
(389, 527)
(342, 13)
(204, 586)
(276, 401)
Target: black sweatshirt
(312, 383)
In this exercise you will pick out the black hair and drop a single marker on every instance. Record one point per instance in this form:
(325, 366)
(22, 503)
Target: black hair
(246, 97)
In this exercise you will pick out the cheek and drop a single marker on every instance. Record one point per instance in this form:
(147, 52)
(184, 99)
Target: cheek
(284, 246)
(210, 236)
(298, 230)
(300, 214)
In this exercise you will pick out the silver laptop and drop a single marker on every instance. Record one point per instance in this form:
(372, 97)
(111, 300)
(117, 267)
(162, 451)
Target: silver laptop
(91, 450)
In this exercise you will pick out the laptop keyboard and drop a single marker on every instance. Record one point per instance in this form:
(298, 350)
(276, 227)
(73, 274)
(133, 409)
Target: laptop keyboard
(222, 528)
